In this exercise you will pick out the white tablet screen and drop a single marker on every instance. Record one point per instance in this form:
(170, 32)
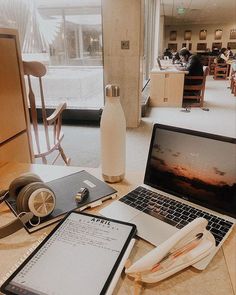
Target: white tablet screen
(77, 259)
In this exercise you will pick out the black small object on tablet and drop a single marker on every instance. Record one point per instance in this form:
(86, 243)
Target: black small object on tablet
(84, 254)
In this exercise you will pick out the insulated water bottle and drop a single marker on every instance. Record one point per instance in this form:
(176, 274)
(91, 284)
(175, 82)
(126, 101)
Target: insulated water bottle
(113, 133)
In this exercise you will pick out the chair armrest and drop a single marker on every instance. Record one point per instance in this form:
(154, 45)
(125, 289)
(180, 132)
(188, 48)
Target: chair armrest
(193, 87)
(194, 77)
(222, 65)
(56, 114)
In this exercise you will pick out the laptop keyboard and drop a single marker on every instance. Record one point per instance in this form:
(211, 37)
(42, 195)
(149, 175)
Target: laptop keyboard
(174, 212)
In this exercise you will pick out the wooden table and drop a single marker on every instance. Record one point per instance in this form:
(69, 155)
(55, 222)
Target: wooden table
(219, 277)
(166, 86)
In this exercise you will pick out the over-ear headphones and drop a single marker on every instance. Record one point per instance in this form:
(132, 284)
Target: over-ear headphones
(33, 199)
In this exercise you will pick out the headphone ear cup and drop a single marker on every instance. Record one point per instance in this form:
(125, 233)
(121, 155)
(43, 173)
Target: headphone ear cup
(20, 182)
(37, 198)
(21, 201)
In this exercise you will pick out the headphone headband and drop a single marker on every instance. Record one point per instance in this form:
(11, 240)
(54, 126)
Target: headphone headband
(3, 195)
(32, 198)
(15, 225)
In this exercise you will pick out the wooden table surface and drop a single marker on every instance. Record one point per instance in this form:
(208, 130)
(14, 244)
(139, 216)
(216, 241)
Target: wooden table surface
(219, 277)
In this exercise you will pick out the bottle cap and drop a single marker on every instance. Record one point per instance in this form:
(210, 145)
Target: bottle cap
(112, 90)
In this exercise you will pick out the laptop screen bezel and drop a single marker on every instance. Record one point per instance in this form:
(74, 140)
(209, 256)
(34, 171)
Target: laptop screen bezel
(169, 191)
(159, 64)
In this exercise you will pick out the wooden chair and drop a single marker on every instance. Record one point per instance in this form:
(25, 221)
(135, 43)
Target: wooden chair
(232, 81)
(49, 139)
(221, 71)
(194, 94)
(211, 64)
(233, 84)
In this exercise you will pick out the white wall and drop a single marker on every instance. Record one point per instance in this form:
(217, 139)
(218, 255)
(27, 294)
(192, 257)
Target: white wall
(195, 35)
(123, 21)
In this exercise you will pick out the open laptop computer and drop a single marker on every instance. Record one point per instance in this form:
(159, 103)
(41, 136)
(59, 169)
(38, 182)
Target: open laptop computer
(160, 66)
(189, 174)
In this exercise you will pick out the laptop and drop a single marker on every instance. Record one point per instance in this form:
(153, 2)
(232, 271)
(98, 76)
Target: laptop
(189, 174)
(160, 66)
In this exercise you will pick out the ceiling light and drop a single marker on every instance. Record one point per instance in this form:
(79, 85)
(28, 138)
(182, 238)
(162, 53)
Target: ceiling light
(181, 10)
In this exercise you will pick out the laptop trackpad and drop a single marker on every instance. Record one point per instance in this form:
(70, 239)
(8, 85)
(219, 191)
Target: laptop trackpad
(152, 229)
(120, 211)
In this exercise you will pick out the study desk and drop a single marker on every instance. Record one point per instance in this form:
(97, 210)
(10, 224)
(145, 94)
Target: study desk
(166, 87)
(219, 277)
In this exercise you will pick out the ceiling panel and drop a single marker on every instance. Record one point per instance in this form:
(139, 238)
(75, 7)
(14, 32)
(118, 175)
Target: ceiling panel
(198, 12)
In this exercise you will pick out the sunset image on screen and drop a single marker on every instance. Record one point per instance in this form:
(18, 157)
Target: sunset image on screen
(195, 166)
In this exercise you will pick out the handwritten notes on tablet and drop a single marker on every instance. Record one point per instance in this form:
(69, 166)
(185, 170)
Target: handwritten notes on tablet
(80, 257)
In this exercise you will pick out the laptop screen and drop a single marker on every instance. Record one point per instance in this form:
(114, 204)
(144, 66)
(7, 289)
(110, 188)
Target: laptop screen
(195, 166)
(159, 64)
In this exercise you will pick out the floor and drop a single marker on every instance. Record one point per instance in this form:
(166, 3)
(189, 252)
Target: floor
(82, 143)
(79, 87)
(220, 119)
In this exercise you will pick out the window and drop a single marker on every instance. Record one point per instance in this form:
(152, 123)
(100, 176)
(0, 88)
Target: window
(187, 35)
(149, 36)
(202, 34)
(218, 34)
(201, 46)
(66, 36)
(173, 35)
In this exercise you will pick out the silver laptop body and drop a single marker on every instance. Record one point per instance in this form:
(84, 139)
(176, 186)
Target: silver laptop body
(193, 168)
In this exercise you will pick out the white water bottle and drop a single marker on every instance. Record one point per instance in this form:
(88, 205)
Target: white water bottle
(113, 133)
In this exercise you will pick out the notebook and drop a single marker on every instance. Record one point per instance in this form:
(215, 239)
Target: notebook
(65, 189)
(84, 254)
(189, 174)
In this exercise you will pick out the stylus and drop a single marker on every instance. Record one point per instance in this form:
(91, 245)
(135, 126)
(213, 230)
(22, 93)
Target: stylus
(120, 268)
(171, 256)
(147, 262)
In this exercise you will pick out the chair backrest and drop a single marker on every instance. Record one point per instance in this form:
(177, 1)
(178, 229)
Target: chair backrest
(233, 82)
(221, 71)
(232, 76)
(196, 91)
(211, 64)
(38, 70)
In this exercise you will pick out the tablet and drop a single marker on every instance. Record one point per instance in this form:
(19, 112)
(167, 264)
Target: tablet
(82, 255)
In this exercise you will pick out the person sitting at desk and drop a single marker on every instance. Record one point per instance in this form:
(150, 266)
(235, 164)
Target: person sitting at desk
(175, 57)
(230, 52)
(223, 56)
(215, 51)
(193, 65)
(167, 54)
(222, 59)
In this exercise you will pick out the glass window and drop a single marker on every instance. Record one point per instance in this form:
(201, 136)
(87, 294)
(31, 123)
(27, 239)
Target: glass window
(66, 35)
(149, 34)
